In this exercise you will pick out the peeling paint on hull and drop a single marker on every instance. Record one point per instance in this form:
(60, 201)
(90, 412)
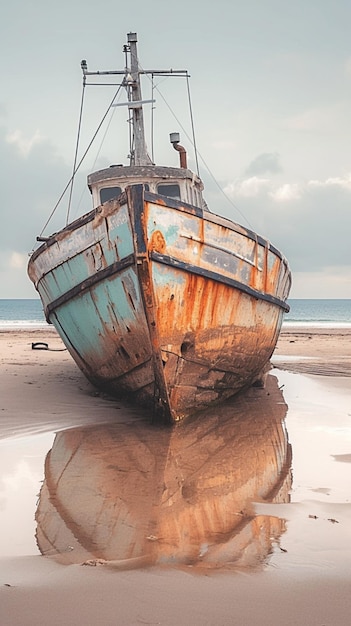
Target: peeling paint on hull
(165, 302)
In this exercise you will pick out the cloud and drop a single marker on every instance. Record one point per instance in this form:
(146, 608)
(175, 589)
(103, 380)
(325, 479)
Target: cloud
(24, 145)
(224, 145)
(286, 192)
(247, 187)
(266, 163)
(342, 182)
(305, 121)
(33, 177)
(18, 260)
(255, 186)
(331, 282)
(317, 119)
(309, 222)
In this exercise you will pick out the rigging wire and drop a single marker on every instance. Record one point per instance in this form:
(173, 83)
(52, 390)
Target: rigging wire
(80, 162)
(152, 118)
(76, 152)
(197, 153)
(129, 121)
(92, 168)
(192, 123)
(96, 157)
(243, 216)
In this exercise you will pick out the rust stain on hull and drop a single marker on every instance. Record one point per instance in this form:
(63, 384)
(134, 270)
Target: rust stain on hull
(150, 303)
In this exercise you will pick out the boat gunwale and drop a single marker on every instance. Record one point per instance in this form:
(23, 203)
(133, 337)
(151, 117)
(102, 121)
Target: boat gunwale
(172, 204)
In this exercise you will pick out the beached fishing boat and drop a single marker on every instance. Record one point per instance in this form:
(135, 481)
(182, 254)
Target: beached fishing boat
(155, 296)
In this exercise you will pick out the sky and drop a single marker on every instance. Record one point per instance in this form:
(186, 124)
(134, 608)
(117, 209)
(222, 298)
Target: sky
(271, 101)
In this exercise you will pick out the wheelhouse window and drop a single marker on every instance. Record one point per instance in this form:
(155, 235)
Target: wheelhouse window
(171, 191)
(109, 193)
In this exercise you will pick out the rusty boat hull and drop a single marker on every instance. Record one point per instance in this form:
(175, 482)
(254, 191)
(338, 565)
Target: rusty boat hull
(162, 301)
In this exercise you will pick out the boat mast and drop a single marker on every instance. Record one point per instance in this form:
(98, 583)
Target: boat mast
(138, 152)
(131, 81)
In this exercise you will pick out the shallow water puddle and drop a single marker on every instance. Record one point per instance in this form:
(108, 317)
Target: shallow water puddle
(213, 492)
(21, 476)
(133, 493)
(319, 427)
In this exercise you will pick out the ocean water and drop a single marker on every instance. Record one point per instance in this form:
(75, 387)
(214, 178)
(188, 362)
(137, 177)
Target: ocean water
(22, 314)
(328, 313)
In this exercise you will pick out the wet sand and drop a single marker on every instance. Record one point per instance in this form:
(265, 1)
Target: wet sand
(225, 536)
(320, 351)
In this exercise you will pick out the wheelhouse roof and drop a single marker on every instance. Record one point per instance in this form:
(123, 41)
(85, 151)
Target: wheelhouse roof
(142, 172)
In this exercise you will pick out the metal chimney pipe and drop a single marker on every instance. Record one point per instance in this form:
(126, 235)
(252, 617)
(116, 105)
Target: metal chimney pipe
(174, 139)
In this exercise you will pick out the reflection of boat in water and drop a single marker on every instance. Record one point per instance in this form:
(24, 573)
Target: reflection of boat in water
(131, 494)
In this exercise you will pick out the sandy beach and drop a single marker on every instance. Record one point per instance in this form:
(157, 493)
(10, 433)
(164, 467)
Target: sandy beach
(320, 351)
(241, 517)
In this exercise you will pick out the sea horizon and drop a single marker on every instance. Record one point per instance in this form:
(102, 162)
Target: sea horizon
(27, 313)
